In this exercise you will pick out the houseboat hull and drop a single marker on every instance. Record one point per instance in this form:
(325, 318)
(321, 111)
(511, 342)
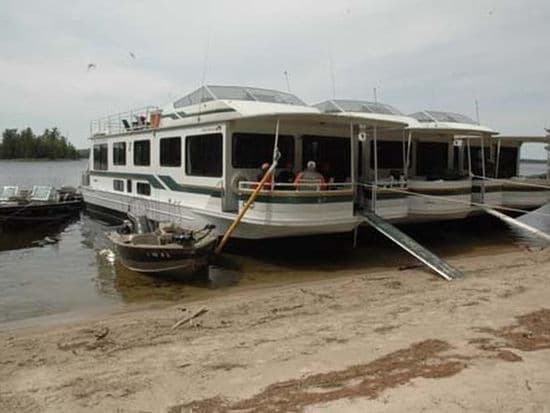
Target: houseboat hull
(264, 219)
(32, 214)
(439, 200)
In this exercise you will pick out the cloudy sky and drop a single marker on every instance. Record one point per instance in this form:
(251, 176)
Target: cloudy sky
(419, 54)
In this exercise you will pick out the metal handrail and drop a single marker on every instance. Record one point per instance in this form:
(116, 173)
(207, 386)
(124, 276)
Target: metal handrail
(132, 120)
(311, 186)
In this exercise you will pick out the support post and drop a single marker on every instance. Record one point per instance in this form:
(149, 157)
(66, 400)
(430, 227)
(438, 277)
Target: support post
(353, 162)
(375, 149)
(275, 150)
(482, 169)
(469, 157)
(409, 143)
(497, 162)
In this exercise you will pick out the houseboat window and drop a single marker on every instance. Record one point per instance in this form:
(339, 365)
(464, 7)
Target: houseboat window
(128, 185)
(170, 152)
(143, 188)
(432, 159)
(332, 155)
(203, 155)
(390, 155)
(250, 150)
(508, 163)
(142, 153)
(119, 153)
(100, 157)
(118, 185)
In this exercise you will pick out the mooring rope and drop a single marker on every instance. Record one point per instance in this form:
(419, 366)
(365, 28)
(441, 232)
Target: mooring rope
(457, 201)
(510, 181)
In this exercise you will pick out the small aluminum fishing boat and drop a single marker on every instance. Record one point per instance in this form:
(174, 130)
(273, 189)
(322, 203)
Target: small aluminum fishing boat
(42, 204)
(169, 251)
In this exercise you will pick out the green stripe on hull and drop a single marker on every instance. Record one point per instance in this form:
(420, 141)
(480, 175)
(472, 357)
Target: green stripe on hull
(123, 175)
(194, 189)
(181, 114)
(477, 189)
(522, 188)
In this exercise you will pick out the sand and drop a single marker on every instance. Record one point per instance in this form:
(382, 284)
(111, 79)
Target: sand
(389, 341)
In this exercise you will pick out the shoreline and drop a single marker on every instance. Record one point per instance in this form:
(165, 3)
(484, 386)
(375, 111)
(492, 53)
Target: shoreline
(365, 341)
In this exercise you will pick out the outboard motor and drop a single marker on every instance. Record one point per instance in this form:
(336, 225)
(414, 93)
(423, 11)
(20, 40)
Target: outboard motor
(141, 224)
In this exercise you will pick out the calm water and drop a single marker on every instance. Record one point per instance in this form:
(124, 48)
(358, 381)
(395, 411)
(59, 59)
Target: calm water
(76, 273)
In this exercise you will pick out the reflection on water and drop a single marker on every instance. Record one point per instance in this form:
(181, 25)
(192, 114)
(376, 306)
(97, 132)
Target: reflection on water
(77, 272)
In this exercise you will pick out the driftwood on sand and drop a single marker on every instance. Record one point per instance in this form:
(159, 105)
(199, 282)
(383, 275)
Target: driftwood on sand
(197, 313)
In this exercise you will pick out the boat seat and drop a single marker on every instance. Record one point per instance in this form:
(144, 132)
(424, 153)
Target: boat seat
(145, 239)
(168, 228)
(9, 192)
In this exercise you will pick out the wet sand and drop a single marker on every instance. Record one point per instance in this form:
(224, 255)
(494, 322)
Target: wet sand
(384, 340)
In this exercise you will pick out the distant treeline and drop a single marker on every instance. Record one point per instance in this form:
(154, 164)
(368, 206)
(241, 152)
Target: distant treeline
(25, 144)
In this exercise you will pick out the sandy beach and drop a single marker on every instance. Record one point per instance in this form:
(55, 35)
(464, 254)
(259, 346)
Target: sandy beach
(384, 341)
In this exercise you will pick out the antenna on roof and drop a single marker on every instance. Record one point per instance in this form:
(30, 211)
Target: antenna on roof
(204, 65)
(332, 77)
(477, 111)
(375, 96)
(287, 81)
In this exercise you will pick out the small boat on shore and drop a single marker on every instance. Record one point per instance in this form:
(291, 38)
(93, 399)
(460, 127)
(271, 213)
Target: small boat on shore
(170, 250)
(42, 204)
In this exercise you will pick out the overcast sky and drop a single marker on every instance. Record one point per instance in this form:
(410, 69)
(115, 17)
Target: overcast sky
(420, 54)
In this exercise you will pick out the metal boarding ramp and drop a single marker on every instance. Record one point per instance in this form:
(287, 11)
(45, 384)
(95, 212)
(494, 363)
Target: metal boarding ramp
(427, 257)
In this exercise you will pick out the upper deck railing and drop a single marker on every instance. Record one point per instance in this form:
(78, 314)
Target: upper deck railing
(304, 187)
(133, 120)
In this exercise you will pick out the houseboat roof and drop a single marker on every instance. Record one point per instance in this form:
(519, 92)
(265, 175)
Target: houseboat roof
(436, 120)
(365, 109)
(525, 138)
(253, 94)
(236, 102)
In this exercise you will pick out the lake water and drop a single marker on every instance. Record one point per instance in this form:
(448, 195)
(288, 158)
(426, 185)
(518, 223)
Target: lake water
(76, 274)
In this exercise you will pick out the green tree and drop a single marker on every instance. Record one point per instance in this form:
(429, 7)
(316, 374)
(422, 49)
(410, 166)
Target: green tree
(25, 144)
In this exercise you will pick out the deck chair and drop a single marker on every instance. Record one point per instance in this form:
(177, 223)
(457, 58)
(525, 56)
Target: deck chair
(126, 124)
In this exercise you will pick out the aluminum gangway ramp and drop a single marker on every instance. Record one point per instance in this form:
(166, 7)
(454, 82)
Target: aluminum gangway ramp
(437, 264)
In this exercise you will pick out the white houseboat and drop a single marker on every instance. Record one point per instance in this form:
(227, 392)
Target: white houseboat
(425, 172)
(195, 160)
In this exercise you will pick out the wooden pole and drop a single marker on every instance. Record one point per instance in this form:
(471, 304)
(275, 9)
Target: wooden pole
(249, 202)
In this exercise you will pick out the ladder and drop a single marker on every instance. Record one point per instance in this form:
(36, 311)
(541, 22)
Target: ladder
(427, 257)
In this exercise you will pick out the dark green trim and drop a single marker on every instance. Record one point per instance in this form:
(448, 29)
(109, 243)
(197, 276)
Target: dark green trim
(207, 112)
(522, 188)
(154, 182)
(381, 195)
(182, 114)
(442, 191)
(195, 189)
(282, 199)
(477, 189)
